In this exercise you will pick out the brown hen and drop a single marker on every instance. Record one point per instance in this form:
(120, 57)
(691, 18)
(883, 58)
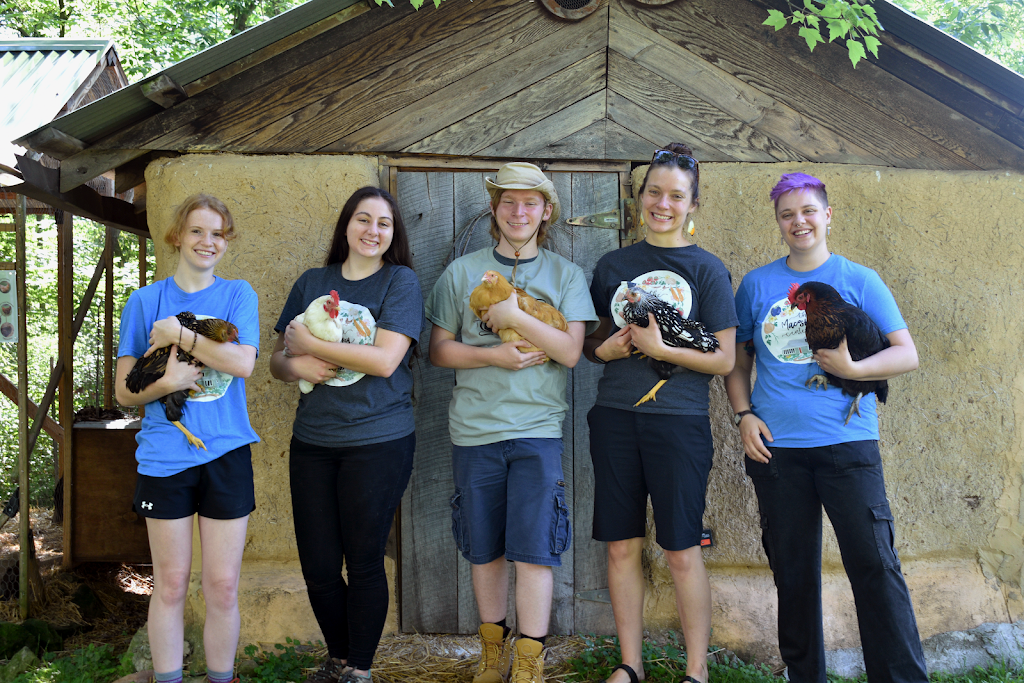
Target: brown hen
(494, 288)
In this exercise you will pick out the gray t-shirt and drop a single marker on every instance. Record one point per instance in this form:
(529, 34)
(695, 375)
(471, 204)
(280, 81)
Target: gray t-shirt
(373, 409)
(699, 284)
(493, 404)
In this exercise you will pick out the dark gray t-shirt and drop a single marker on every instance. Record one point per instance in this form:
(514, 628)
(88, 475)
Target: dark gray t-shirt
(374, 409)
(699, 286)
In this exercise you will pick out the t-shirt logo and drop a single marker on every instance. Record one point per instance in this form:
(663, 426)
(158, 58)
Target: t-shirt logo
(664, 284)
(784, 332)
(213, 383)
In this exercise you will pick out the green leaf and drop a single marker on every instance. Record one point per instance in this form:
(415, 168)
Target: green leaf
(812, 20)
(798, 16)
(831, 10)
(776, 19)
(812, 36)
(872, 45)
(856, 50)
(835, 30)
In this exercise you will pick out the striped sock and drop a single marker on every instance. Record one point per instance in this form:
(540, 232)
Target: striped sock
(220, 676)
(170, 677)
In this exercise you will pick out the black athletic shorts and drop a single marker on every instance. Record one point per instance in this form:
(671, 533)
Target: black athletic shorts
(220, 489)
(666, 456)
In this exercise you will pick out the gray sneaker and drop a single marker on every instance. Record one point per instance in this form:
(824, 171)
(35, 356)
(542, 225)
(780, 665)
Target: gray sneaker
(332, 670)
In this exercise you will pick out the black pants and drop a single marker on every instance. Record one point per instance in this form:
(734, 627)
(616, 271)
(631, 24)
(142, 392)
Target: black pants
(343, 503)
(846, 479)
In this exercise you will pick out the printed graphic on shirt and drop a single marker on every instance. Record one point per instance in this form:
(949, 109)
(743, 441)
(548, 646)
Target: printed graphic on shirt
(784, 333)
(666, 285)
(357, 327)
(214, 383)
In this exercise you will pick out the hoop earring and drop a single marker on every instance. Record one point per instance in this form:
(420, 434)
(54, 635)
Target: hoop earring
(828, 230)
(690, 229)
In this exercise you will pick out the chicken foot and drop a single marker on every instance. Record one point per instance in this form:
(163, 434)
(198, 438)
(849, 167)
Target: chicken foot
(192, 439)
(819, 381)
(650, 395)
(854, 408)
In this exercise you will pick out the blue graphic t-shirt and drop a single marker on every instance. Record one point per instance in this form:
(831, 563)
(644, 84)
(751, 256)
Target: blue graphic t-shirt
(218, 415)
(800, 416)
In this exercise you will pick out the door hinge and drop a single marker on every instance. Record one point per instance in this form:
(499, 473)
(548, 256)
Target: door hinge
(598, 595)
(622, 219)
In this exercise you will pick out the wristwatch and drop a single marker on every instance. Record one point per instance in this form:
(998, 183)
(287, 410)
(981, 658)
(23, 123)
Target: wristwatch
(738, 417)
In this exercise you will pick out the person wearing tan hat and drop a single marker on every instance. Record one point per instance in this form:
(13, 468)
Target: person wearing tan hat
(505, 418)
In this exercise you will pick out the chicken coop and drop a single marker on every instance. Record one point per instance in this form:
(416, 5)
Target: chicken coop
(922, 150)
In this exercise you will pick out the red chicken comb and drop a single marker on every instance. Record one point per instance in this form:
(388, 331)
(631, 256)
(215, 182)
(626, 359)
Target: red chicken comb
(332, 307)
(792, 292)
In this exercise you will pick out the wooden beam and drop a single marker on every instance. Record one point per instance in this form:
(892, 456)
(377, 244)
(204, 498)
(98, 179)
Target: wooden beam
(65, 350)
(43, 184)
(54, 430)
(556, 71)
(438, 163)
(529, 105)
(86, 165)
(53, 142)
(163, 90)
(8, 265)
(108, 319)
(24, 448)
(620, 143)
(131, 174)
(639, 121)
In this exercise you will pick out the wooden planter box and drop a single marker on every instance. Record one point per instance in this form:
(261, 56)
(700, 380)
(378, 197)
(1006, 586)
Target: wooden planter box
(102, 526)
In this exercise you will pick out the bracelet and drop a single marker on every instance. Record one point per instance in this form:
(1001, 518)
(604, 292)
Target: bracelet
(179, 335)
(194, 340)
(738, 417)
(598, 360)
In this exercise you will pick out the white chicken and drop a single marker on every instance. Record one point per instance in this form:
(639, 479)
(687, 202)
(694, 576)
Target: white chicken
(333, 320)
(322, 319)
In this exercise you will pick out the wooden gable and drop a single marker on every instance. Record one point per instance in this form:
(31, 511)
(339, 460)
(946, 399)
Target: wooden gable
(505, 78)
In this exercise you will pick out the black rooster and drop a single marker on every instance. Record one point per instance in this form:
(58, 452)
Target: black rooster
(676, 331)
(829, 320)
(149, 369)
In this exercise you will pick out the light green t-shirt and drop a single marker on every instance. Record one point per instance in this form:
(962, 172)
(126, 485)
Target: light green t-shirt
(493, 404)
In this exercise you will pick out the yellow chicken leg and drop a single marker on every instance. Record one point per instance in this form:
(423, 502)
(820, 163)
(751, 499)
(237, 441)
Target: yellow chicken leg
(855, 408)
(192, 439)
(649, 396)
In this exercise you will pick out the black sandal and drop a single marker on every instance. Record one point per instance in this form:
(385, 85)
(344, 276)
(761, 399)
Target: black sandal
(629, 672)
(691, 679)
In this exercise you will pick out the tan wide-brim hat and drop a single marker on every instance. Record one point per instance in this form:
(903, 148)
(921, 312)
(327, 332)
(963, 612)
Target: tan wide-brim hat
(520, 175)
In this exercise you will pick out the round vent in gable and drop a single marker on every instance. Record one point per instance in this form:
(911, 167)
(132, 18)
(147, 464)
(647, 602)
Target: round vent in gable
(574, 10)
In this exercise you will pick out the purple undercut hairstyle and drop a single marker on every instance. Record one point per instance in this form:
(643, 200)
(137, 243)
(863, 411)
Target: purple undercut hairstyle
(790, 182)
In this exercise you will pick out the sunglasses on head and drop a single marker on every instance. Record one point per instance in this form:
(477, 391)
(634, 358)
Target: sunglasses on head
(664, 156)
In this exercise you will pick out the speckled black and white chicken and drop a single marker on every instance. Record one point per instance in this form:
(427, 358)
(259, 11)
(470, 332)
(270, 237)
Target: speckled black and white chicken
(676, 331)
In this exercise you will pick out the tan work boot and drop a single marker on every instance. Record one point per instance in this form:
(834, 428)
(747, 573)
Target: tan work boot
(495, 655)
(527, 662)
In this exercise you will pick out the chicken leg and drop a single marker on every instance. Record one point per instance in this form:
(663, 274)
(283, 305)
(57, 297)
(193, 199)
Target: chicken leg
(650, 395)
(192, 439)
(854, 408)
(819, 381)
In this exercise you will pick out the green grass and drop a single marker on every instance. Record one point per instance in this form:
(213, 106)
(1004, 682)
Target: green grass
(92, 664)
(665, 661)
(284, 664)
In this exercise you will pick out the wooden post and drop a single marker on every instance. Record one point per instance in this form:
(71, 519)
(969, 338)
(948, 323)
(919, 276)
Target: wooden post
(108, 319)
(24, 552)
(65, 351)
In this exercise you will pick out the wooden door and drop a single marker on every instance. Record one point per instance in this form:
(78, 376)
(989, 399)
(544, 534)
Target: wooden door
(435, 590)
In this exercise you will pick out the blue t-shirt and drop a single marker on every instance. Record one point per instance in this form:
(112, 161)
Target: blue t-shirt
(800, 416)
(219, 415)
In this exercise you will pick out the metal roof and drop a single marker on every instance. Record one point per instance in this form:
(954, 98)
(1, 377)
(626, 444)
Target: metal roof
(128, 105)
(39, 75)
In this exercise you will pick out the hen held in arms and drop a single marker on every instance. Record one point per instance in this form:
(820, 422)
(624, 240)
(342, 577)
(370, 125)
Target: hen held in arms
(494, 288)
(676, 331)
(149, 369)
(829, 320)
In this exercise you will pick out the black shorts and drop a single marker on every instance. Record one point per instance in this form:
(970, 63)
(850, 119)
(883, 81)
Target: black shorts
(636, 454)
(220, 489)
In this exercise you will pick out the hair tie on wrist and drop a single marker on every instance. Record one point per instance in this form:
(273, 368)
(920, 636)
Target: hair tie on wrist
(179, 335)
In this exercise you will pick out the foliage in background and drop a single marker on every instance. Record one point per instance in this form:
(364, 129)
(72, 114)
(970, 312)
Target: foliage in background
(41, 286)
(151, 34)
(993, 27)
(854, 22)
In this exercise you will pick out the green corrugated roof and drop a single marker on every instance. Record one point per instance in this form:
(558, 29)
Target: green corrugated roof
(39, 75)
(128, 105)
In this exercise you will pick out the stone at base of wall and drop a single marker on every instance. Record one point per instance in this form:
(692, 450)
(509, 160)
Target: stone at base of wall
(956, 652)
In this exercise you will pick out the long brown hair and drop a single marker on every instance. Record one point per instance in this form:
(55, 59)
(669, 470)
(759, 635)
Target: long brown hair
(398, 253)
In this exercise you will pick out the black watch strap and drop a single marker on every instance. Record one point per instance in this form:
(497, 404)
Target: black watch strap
(738, 417)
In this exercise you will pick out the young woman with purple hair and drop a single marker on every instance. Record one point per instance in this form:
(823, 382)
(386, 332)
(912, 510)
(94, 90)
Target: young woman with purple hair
(801, 456)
